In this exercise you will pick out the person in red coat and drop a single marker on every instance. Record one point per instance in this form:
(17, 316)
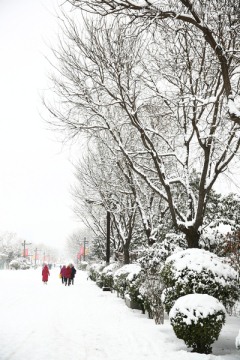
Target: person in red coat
(45, 273)
(62, 273)
(68, 273)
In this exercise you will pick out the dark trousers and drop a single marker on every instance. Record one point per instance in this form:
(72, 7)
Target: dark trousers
(67, 281)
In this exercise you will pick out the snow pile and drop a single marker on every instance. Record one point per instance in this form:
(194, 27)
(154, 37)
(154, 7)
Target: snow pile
(195, 306)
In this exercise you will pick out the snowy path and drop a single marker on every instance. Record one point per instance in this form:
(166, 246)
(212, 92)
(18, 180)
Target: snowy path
(81, 322)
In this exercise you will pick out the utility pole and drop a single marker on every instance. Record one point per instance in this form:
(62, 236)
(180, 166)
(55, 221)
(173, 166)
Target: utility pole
(24, 247)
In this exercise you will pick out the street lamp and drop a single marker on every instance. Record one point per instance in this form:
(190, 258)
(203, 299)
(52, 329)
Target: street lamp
(108, 238)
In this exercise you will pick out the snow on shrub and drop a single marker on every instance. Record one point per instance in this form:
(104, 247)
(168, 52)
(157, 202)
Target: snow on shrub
(133, 284)
(120, 277)
(237, 342)
(106, 276)
(154, 256)
(83, 265)
(198, 271)
(20, 264)
(152, 261)
(197, 319)
(151, 292)
(95, 270)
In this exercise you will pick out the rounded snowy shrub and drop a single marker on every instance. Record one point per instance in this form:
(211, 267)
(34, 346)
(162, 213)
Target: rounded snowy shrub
(106, 276)
(19, 264)
(120, 277)
(133, 284)
(198, 271)
(95, 270)
(197, 319)
(83, 265)
(152, 261)
(14, 264)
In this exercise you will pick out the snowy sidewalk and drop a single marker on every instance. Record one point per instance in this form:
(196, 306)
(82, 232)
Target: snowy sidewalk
(82, 322)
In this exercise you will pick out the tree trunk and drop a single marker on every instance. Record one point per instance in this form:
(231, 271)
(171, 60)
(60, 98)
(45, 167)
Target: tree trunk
(126, 255)
(192, 237)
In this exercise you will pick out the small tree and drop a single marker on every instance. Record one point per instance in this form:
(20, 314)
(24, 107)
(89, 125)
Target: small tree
(152, 262)
(198, 320)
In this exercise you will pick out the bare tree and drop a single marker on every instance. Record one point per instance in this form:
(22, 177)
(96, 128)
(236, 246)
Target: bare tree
(216, 22)
(180, 119)
(101, 186)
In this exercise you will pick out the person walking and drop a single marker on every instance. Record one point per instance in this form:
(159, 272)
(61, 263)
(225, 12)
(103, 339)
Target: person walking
(45, 273)
(73, 273)
(68, 273)
(62, 273)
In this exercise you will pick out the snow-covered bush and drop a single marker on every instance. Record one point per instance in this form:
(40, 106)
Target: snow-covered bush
(197, 319)
(152, 261)
(154, 257)
(237, 342)
(151, 292)
(198, 271)
(95, 270)
(133, 283)
(106, 276)
(20, 264)
(83, 265)
(120, 277)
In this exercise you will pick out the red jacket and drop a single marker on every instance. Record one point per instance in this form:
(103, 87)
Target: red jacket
(45, 273)
(63, 271)
(68, 272)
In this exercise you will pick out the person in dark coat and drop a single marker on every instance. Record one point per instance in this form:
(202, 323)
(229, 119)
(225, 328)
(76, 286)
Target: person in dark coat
(45, 273)
(68, 273)
(62, 272)
(73, 273)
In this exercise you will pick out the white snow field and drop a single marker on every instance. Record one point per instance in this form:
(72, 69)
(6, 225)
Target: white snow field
(82, 322)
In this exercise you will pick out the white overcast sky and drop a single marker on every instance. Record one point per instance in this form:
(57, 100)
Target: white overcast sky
(35, 171)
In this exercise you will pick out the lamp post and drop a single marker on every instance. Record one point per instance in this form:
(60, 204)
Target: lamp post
(108, 229)
(108, 238)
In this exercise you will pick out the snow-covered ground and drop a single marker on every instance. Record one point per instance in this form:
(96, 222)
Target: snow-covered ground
(82, 322)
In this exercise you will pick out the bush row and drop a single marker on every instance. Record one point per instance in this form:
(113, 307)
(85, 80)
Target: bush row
(194, 286)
